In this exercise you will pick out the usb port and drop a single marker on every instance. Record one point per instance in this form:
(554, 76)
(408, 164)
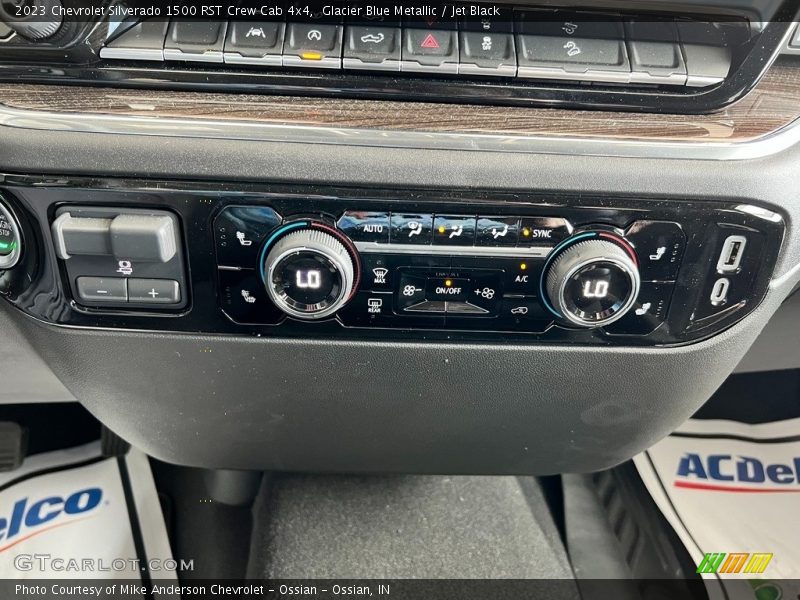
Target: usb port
(731, 256)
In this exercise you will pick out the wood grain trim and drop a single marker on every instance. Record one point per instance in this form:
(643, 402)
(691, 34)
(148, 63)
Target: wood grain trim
(774, 104)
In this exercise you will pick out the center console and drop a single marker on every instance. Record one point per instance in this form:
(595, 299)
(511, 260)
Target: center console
(369, 264)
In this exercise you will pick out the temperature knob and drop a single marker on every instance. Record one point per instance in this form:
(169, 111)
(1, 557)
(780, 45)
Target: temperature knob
(591, 280)
(310, 270)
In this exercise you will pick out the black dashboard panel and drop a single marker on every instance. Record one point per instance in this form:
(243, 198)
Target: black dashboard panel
(426, 265)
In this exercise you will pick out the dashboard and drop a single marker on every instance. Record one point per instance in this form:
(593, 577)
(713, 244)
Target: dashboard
(258, 257)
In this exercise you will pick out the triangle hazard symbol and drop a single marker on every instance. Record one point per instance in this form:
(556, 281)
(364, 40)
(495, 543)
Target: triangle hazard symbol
(429, 42)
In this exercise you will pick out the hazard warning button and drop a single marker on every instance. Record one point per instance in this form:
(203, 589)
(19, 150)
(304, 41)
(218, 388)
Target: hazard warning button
(430, 50)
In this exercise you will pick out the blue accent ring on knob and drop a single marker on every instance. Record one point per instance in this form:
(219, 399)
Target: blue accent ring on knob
(275, 235)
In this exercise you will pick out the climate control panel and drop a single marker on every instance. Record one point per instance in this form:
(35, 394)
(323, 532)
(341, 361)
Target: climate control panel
(432, 271)
(359, 264)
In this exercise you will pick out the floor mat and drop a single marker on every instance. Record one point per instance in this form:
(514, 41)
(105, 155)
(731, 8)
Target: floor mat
(73, 514)
(732, 493)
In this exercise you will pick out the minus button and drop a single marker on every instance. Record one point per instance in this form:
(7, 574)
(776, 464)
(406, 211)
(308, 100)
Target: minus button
(102, 289)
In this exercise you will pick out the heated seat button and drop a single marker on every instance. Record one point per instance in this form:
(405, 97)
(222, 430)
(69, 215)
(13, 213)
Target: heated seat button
(254, 42)
(244, 300)
(372, 48)
(543, 231)
(454, 231)
(659, 246)
(365, 226)
(430, 50)
(497, 231)
(313, 45)
(239, 232)
(648, 313)
(411, 228)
